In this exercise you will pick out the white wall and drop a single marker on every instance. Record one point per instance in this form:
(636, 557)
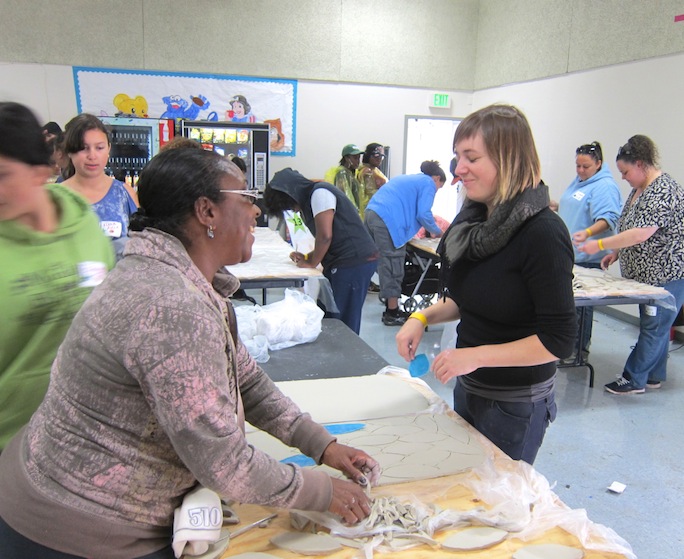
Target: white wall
(609, 105)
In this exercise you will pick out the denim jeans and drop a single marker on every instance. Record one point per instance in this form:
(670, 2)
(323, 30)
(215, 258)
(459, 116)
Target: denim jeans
(350, 286)
(648, 360)
(588, 321)
(516, 428)
(16, 546)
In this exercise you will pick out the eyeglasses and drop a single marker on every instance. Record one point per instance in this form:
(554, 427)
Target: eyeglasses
(251, 195)
(377, 154)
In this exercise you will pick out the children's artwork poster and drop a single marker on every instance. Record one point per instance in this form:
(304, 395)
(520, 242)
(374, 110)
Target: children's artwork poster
(211, 97)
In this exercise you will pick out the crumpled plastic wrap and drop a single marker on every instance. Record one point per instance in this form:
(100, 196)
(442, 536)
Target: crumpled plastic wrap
(296, 319)
(516, 489)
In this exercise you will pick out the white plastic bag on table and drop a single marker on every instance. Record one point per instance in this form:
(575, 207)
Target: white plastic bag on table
(296, 319)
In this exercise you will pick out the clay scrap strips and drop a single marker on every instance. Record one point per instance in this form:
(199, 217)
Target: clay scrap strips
(306, 544)
(476, 537)
(548, 551)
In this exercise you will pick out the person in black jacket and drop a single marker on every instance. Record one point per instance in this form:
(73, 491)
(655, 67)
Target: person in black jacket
(506, 265)
(343, 245)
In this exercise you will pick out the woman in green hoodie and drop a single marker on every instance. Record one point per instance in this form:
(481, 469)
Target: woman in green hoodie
(53, 253)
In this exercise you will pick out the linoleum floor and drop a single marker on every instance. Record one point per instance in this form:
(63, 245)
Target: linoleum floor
(598, 438)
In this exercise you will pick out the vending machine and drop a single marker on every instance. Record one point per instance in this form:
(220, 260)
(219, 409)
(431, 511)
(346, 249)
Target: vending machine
(248, 141)
(134, 142)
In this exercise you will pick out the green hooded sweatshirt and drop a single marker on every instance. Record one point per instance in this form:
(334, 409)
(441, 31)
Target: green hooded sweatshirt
(44, 280)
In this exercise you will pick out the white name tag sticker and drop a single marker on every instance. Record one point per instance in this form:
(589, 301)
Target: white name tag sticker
(651, 310)
(111, 228)
(578, 195)
(91, 273)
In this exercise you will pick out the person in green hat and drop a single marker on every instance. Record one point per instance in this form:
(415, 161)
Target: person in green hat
(343, 176)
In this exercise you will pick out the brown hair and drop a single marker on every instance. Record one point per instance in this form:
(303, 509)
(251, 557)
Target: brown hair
(74, 132)
(640, 148)
(509, 142)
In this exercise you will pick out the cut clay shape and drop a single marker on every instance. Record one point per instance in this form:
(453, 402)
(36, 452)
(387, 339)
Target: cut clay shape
(548, 551)
(254, 555)
(306, 544)
(477, 537)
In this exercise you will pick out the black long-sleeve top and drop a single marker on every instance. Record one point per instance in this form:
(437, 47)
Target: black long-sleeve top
(524, 289)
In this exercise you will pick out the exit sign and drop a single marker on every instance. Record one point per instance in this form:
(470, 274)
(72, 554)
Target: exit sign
(440, 101)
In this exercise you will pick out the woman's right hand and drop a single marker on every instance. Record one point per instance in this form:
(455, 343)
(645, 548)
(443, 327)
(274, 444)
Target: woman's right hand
(409, 337)
(349, 501)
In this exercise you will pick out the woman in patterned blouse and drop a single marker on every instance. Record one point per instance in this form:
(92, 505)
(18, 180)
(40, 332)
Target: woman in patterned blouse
(650, 246)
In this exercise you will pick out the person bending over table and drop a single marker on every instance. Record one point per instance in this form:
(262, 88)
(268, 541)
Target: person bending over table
(342, 244)
(151, 388)
(590, 207)
(650, 246)
(507, 274)
(393, 216)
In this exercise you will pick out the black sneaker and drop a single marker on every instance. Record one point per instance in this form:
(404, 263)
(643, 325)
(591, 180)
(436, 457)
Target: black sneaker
(649, 383)
(373, 288)
(389, 319)
(623, 386)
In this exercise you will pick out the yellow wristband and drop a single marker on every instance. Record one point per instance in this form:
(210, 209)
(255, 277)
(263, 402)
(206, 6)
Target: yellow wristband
(419, 316)
(600, 244)
(589, 233)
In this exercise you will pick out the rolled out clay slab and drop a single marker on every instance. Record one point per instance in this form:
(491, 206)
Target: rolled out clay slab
(477, 537)
(548, 551)
(306, 544)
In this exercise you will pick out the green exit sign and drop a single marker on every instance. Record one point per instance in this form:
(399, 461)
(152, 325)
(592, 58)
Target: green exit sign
(440, 101)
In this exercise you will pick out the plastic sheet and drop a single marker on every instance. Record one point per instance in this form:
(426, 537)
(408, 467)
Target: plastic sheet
(518, 491)
(296, 319)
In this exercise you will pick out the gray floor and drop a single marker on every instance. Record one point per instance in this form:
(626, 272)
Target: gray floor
(599, 438)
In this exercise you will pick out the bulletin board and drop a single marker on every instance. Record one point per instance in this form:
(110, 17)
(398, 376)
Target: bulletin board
(212, 97)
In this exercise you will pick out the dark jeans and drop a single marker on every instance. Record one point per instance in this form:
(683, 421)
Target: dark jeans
(588, 317)
(516, 428)
(15, 546)
(350, 286)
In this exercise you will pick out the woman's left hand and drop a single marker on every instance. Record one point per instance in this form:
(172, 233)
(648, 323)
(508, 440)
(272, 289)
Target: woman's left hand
(352, 462)
(590, 247)
(452, 363)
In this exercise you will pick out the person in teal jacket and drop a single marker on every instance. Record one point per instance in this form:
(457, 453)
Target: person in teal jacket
(53, 253)
(590, 208)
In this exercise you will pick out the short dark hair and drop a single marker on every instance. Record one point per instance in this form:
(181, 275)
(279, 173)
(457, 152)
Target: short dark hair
(74, 132)
(276, 201)
(181, 142)
(52, 128)
(170, 184)
(432, 169)
(639, 148)
(21, 136)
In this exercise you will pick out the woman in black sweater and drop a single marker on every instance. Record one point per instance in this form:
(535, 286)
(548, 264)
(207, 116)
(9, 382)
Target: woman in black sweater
(507, 274)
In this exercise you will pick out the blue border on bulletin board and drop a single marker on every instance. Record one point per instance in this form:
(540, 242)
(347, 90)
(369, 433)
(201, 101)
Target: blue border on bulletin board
(161, 94)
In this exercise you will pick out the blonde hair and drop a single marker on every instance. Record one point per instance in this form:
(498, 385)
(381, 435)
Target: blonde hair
(508, 139)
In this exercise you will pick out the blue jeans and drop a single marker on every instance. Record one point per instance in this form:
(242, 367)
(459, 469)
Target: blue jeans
(588, 321)
(350, 286)
(16, 546)
(648, 360)
(516, 428)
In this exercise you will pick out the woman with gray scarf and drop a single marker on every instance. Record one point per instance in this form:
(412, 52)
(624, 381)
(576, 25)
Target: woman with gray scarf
(507, 274)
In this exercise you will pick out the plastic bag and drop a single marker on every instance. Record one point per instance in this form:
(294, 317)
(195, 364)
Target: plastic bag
(296, 319)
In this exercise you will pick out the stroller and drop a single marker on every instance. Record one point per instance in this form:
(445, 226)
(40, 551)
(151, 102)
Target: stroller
(421, 281)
